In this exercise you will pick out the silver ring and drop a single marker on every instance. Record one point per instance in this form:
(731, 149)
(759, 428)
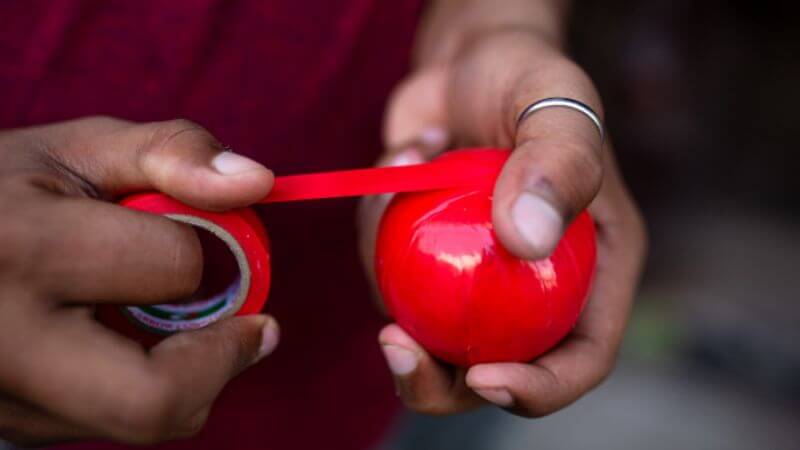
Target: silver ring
(564, 103)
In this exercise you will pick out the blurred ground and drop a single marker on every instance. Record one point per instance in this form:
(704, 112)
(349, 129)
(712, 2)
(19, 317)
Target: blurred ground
(640, 407)
(700, 100)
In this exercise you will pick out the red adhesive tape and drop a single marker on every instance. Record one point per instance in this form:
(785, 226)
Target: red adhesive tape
(472, 168)
(247, 240)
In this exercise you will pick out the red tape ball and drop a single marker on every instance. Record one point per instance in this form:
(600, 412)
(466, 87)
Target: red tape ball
(449, 283)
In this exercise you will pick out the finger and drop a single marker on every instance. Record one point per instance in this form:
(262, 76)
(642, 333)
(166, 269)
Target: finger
(370, 211)
(423, 384)
(555, 170)
(587, 356)
(27, 426)
(416, 114)
(95, 252)
(621, 251)
(414, 131)
(93, 377)
(546, 385)
(177, 157)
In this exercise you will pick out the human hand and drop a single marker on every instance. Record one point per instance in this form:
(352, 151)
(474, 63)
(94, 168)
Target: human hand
(64, 248)
(557, 168)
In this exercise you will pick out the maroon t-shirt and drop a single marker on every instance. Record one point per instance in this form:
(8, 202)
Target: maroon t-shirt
(297, 85)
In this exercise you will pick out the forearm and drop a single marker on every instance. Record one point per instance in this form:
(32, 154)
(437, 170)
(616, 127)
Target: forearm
(448, 24)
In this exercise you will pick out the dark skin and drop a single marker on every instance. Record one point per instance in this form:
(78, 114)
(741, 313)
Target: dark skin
(477, 67)
(65, 247)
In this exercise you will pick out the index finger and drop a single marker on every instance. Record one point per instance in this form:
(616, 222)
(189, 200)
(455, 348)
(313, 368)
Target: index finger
(90, 251)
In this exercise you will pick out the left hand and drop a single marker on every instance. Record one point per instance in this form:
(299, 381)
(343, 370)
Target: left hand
(557, 169)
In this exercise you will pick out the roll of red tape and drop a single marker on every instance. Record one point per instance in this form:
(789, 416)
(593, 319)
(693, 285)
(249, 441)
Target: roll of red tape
(247, 240)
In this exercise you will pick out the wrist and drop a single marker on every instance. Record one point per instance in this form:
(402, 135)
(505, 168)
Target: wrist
(449, 26)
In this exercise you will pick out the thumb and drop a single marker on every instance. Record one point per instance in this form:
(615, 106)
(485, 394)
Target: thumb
(176, 157)
(552, 175)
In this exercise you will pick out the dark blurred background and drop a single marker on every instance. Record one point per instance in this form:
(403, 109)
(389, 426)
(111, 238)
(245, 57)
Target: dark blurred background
(701, 100)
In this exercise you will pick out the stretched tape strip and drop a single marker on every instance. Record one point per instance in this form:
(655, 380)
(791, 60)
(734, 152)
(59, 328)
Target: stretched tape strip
(247, 239)
(468, 168)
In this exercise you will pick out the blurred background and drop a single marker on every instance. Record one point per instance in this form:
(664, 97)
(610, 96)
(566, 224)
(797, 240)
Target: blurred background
(701, 102)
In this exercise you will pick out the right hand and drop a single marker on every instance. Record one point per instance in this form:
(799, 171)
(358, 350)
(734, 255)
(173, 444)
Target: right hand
(556, 169)
(64, 248)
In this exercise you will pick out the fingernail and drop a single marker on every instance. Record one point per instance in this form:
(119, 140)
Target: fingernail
(405, 158)
(434, 137)
(229, 163)
(498, 396)
(401, 361)
(269, 338)
(538, 222)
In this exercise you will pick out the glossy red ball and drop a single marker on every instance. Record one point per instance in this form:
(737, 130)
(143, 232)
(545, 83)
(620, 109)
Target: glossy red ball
(447, 281)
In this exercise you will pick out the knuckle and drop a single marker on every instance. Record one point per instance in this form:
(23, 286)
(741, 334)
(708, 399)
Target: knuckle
(163, 133)
(169, 142)
(175, 126)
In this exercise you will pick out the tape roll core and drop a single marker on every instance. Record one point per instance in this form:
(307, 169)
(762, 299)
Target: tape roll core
(174, 317)
(244, 235)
